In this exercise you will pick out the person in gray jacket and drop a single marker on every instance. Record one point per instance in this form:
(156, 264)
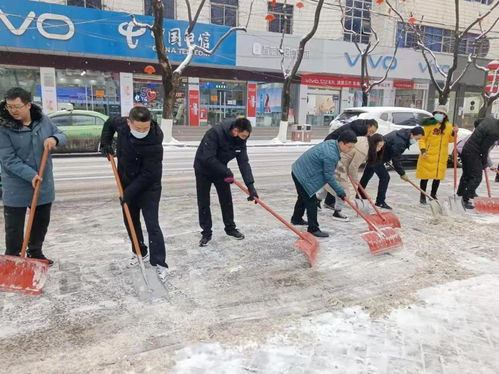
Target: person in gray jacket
(314, 169)
(24, 134)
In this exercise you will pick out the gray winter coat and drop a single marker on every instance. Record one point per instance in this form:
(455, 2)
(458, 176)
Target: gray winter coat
(21, 150)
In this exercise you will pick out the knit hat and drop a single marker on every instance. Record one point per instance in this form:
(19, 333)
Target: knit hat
(441, 109)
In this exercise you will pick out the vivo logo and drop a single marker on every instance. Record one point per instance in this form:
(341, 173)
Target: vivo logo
(424, 68)
(374, 61)
(40, 25)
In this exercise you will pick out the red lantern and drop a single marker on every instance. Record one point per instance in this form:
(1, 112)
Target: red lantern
(412, 20)
(379, 1)
(149, 69)
(493, 65)
(269, 17)
(274, 3)
(299, 4)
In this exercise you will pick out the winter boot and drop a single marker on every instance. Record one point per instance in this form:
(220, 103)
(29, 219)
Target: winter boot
(134, 260)
(422, 199)
(383, 206)
(320, 234)
(162, 273)
(337, 215)
(235, 233)
(204, 241)
(38, 254)
(467, 204)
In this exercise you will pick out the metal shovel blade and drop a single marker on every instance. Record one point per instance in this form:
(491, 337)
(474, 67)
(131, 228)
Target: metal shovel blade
(455, 205)
(384, 240)
(387, 219)
(21, 274)
(437, 209)
(308, 244)
(486, 204)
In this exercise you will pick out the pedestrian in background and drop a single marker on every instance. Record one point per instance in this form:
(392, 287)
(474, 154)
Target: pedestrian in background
(25, 132)
(139, 148)
(434, 150)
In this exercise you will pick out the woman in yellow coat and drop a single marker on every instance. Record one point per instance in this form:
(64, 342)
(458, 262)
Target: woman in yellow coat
(434, 146)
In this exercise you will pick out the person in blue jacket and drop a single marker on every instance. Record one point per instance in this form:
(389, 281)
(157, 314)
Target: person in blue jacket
(314, 169)
(24, 134)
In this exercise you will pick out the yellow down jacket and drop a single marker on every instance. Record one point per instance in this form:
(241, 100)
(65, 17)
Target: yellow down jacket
(435, 143)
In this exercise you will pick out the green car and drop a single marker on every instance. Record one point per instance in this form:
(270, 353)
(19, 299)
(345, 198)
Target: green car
(82, 127)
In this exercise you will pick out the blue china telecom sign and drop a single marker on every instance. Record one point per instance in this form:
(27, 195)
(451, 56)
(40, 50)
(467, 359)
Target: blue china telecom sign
(42, 27)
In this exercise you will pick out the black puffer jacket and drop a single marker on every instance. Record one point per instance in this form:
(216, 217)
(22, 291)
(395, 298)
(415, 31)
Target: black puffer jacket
(396, 142)
(358, 126)
(140, 161)
(482, 139)
(217, 148)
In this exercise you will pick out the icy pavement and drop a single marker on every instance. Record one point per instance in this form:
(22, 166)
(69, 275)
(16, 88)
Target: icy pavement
(254, 306)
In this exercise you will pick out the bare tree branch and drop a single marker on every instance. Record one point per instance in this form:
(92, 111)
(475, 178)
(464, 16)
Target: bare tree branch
(140, 24)
(193, 21)
(481, 18)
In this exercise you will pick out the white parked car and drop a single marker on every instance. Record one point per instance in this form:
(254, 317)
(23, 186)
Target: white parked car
(390, 119)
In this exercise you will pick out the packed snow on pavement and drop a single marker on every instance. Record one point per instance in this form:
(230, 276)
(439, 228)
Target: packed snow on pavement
(255, 306)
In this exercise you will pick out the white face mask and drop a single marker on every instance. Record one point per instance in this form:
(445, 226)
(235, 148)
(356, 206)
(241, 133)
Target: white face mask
(413, 141)
(138, 135)
(439, 117)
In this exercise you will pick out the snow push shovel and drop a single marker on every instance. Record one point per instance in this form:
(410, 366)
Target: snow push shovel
(436, 208)
(135, 241)
(22, 274)
(487, 204)
(454, 202)
(379, 239)
(307, 243)
(379, 218)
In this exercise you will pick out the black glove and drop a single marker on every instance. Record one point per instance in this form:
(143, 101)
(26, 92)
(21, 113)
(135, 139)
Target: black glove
(122, 201)
(106, 150)
(342, 196)
(252, 193)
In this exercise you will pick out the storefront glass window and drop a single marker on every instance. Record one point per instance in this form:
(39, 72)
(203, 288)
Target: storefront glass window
(409, 98)
(375, 97)
(268, 106)
(27, 78)
(88, 90)
(221, 100)
(322, 106)
(471, 105)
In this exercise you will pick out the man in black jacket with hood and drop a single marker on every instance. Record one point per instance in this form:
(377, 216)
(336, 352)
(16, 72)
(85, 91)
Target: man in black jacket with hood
(396, 142)
(140, 165)
(219, 145)
(474, 157)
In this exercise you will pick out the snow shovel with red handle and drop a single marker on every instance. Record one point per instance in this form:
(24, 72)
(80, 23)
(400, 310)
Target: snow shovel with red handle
(307, 243)
(454, 201)
(382, 219)
(487, 204)
(22, 274)
(128, 216)
(379, 239)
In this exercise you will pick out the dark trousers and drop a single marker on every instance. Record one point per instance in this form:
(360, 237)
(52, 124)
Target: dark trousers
(384, 179)
(14, 229)
(472, 175)
(330, 200)
(305, 202)
(148, 204)
(434, 187)
(203, 188)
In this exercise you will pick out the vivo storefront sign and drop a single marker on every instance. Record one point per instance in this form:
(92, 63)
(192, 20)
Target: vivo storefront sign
(41, 27)
(261, 51)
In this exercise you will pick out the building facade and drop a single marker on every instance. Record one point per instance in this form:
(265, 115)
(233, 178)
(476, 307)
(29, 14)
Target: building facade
(89, 53)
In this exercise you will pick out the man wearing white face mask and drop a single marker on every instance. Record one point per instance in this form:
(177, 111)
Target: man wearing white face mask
(140, 164)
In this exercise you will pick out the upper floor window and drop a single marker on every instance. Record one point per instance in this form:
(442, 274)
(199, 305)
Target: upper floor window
(283, 21)
(168, 8)
(96, 4)
(441, 40)
(357, 21)
(486, 2)
(224, 12)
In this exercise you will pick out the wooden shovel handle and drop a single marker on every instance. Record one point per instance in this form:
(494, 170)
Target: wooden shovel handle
(34, 201)
(487, 182)
(128, 216)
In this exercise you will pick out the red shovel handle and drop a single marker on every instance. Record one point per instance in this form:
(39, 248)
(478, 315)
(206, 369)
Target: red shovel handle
(268, 209)
(359, 187)
(455, 161)
(487, 182)
(32, 208)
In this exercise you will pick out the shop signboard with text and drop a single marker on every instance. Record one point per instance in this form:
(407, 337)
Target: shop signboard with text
(194, 112)
(30, 26)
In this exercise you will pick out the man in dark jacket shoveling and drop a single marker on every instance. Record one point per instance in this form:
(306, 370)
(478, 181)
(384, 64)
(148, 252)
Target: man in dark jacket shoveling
(24, 134)
(396, 143)
(474, 157)
(140, 167)
(219, 145)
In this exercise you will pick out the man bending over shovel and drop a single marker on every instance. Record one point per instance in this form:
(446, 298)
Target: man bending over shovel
(314, 169)
(140, 165)
(24, 134)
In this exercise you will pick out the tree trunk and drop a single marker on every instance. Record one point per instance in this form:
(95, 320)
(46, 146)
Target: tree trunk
(285, 104)
(443, 97)
(365, 98)
(487, 102)
(171, 83)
